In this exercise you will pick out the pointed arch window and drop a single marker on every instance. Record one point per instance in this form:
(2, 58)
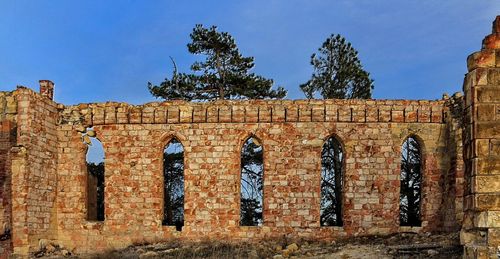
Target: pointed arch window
(173, 184)
(95, 176)
(251, 186)
(332, 172)
(411, 183)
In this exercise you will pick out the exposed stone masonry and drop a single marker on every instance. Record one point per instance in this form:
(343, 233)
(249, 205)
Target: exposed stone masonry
(292, 163)
(47, 89)
(176, 112)
(49, 171)
(481, 226)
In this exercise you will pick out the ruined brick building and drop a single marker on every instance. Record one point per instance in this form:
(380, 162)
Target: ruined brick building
(44, 177)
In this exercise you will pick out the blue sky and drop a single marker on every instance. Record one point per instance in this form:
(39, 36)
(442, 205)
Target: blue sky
(108, 50)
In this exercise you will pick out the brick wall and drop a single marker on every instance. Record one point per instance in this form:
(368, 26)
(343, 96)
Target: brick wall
(8, 110)
(34, 180)
(452, 206)
(481, 228)
(292, 135)
(7, 141)
(49, 174)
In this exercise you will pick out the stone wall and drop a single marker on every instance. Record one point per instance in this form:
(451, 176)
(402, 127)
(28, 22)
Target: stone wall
(49, 175)
(292, 134)
(452, 208)
(7, 141)
(8, 110)
(33, 171)
(481, 227)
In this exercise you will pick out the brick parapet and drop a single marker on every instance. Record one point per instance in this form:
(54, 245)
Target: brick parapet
(8, 106)
(47, 89)
(257, 111)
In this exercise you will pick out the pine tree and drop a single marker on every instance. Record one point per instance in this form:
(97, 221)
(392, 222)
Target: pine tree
(224, 74)
(338, 72)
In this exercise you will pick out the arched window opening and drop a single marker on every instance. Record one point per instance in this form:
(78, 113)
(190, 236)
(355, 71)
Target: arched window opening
(332, 172)
(251, 191)
(173, 184)
(411, 183)
(95, 176)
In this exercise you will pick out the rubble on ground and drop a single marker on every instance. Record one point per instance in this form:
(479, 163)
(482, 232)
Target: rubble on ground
(407, 245)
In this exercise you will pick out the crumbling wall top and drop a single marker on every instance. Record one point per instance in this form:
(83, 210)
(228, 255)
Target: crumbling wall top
(47, 89)
(492, 41)
(258, 111)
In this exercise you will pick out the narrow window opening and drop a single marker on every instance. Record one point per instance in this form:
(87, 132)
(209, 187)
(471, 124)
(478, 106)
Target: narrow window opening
(95, 176)
(332, 161)
(411, 182)
(251, 186)
(173, 184)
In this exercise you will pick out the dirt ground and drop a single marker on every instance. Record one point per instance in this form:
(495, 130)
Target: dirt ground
(403, 245)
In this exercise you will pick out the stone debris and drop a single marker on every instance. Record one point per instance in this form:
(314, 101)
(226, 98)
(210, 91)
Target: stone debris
(292, 247)
(49, 249)
(148, 255)
(65, 252)
(80, 128)
(91, 133)
(401, 245)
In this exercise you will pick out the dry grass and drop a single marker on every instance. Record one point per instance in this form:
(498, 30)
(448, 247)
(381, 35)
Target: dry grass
(444, 245)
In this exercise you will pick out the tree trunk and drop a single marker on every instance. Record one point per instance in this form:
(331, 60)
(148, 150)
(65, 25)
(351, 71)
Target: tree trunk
(338, 186)
(168, 210)
(221, 93)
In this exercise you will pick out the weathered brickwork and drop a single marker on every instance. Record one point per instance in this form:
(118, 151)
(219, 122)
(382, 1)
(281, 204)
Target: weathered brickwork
(7, 141)
(454, 178)
(34, 171)
(481, 226)
(8, 111)
(49, 173)
(46, 165)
